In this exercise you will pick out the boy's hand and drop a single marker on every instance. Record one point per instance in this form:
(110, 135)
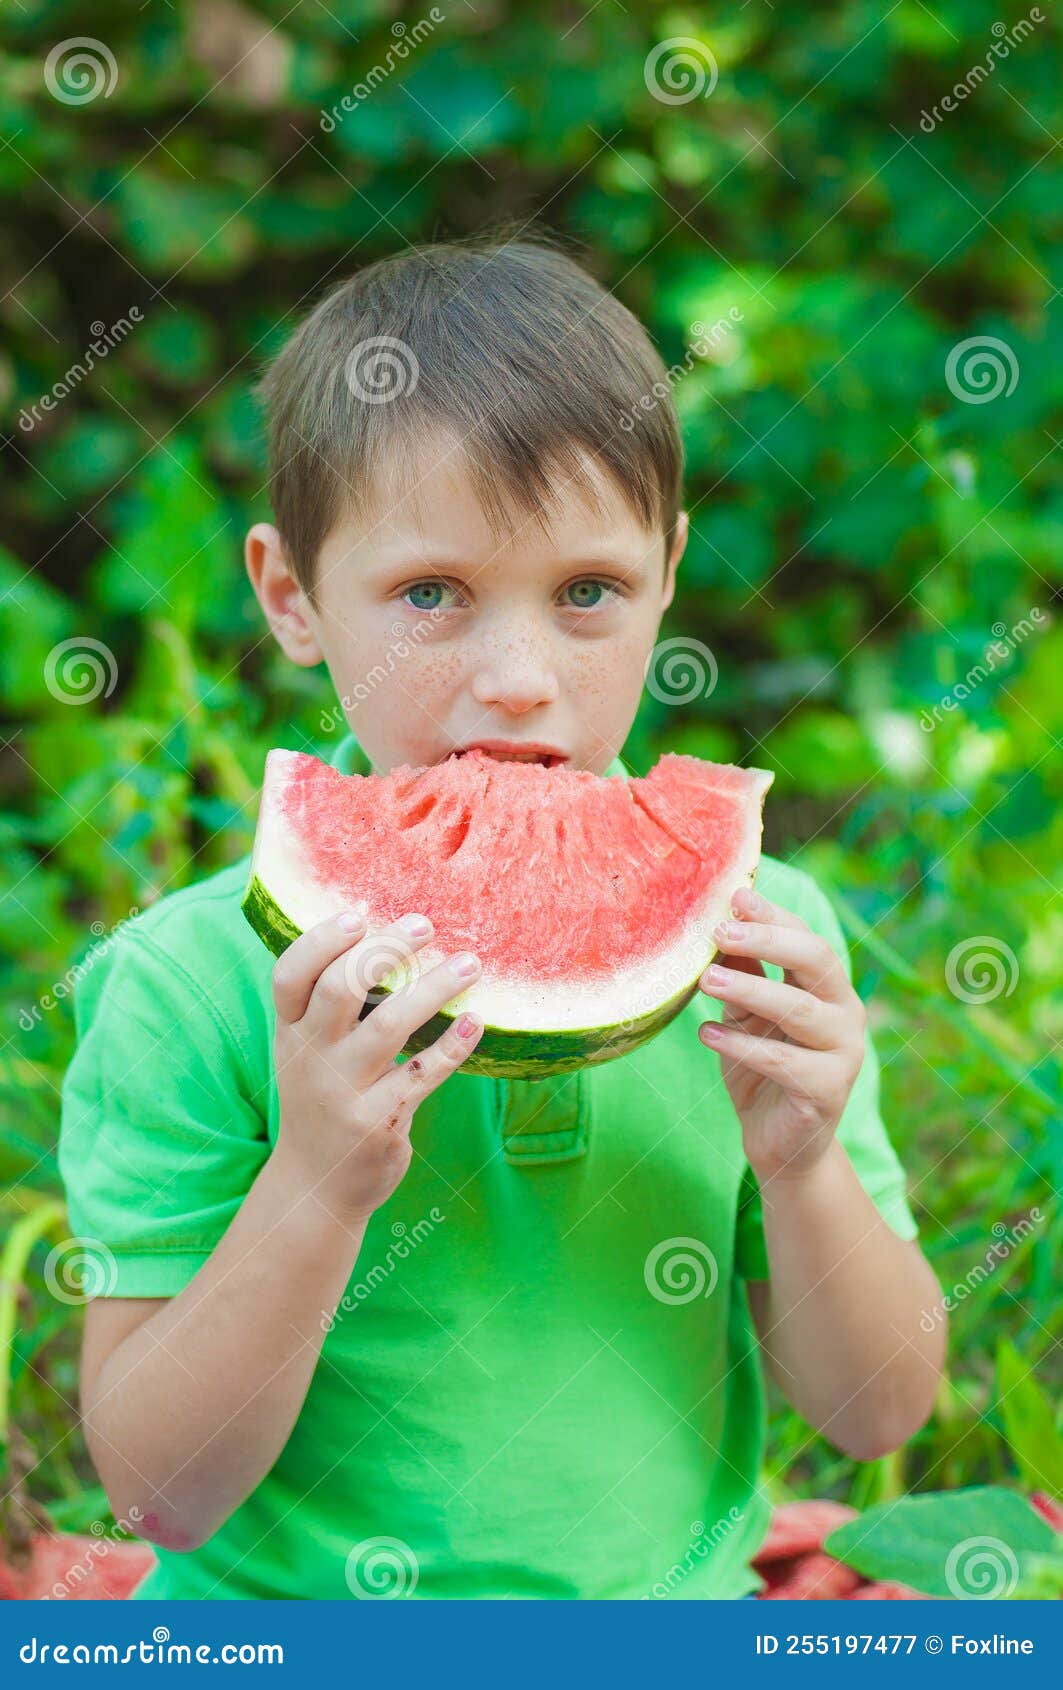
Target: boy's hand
(790, 1049)
(346, 1106)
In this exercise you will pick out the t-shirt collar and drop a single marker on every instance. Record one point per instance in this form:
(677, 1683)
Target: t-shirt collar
(350, 759)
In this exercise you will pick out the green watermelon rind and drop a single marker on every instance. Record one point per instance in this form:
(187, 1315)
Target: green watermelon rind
(500, 1052)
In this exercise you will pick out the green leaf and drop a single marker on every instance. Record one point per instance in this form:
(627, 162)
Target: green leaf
(91, 453)
(1029, 1423)
(178, 346)
(172, 541)
(964, 1543)
(34, 619)
(176, 225)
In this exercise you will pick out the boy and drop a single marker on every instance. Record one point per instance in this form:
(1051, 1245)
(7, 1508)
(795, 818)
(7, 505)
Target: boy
(380, 1327)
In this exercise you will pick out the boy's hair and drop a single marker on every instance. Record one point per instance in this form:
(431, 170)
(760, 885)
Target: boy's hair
(507, 343)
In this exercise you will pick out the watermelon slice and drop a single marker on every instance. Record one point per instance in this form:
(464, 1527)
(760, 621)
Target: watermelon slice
(589, 899)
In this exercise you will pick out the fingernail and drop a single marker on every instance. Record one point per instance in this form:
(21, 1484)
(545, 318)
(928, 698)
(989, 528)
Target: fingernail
(728, 930)
(717, 976)
(415, 924)
(466, 963)
(711, 1032)
(351, 921)
(466, 1025)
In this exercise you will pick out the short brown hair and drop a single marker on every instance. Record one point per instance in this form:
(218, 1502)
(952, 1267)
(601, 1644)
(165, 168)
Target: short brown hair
(507, 342)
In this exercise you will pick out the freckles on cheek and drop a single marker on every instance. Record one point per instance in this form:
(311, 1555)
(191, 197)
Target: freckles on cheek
(436, 670)
(408, 705)
(609, 678)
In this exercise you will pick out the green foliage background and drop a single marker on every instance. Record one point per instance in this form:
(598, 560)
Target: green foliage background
(860, 533)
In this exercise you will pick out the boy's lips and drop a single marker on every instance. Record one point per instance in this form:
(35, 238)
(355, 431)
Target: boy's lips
(513, 751)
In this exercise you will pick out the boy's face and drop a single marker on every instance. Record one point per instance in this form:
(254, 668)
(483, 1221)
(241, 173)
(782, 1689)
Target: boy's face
(438, 635)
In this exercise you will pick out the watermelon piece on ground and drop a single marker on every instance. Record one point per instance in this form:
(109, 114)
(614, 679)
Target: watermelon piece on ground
(797, 1527)
(888, 1590)
(1048, 1509)
(70, 1567)
(815, 1578)
(590, 899)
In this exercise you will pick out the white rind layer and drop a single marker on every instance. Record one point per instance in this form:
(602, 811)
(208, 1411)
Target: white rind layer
(280, 863)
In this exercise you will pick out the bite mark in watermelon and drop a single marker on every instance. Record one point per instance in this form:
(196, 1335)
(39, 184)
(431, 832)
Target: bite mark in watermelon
(590, 900)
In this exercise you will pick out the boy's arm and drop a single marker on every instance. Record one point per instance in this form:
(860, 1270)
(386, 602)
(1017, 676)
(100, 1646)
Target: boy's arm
(188, 1403)
(849, 1318)
(843, 1319)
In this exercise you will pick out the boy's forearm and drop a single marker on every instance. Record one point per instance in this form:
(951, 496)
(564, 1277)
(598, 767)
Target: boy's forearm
(194, 1407)
(843, 1317)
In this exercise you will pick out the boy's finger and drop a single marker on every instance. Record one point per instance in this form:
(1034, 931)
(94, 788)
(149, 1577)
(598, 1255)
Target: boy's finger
(339, 998)
(296, 969)
(806, 1019)
(408, 1083)
(754, 906)
(386, 1030)
(795, 1070)
(741, 964)
(795, 949)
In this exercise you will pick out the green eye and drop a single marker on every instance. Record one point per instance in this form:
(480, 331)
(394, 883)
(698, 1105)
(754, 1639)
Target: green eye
(589, 592)
(419, 596)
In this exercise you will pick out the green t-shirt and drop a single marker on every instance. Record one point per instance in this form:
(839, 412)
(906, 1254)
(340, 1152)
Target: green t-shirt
(526, 1392)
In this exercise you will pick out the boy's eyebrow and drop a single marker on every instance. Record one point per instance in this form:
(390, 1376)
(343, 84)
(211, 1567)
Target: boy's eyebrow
(444, 560)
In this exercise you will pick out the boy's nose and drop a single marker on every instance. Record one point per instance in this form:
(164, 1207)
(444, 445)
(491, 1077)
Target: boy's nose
(514, 679)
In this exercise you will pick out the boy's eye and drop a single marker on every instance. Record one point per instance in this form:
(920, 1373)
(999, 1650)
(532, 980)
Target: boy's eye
(588, 594)
(420, 595)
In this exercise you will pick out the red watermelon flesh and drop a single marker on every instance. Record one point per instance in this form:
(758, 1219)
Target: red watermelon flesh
(67, 1567)
(798, 1527)
(590, 900)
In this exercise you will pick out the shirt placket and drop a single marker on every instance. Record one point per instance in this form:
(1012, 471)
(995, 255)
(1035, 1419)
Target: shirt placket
(543, 1121)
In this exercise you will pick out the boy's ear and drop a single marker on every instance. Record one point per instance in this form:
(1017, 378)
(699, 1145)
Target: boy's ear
(284, 604)
(679, 546)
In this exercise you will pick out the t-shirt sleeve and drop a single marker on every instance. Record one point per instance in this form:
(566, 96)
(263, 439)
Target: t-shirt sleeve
(159, 1140)
(861, 1130)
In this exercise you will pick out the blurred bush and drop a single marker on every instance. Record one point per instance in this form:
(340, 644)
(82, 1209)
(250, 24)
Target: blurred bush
(877, 506)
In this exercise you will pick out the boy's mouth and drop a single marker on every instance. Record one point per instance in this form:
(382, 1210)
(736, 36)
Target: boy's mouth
(501, 751)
